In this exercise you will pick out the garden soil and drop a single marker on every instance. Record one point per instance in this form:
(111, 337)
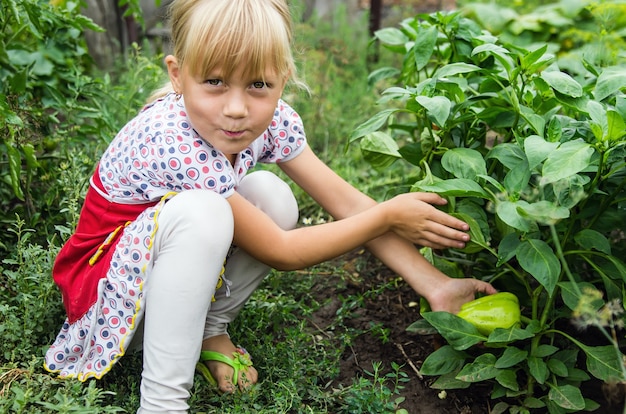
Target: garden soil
(395, 308)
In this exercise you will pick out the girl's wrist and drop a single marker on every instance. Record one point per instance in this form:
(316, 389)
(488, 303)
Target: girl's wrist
(388, 214)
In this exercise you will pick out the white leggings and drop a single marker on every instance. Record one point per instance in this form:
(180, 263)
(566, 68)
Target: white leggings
(194, 236)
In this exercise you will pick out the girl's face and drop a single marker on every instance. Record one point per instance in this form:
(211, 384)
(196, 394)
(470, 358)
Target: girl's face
(228, 112)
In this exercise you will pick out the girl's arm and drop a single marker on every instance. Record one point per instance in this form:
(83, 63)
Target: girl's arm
(282, 249)
(395, 248)
(388, 229)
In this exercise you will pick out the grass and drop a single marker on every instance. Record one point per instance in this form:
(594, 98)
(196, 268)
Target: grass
(297, 361)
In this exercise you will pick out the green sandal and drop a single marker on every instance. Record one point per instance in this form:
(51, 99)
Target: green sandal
(240, 362)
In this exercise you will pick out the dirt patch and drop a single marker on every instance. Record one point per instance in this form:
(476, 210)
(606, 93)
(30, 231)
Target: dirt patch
(394, 308)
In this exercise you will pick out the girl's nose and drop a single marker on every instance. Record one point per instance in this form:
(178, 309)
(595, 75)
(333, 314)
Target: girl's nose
(235, 105)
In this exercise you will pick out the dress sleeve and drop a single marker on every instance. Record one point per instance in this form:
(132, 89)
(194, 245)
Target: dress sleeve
(285, 138)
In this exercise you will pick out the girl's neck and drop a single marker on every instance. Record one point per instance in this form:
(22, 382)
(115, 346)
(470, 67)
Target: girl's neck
(232, 158)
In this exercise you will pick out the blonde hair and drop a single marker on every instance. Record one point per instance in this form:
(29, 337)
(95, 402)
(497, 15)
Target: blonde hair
(229, 34)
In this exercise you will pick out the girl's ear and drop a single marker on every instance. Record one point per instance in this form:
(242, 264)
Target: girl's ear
(173, 71)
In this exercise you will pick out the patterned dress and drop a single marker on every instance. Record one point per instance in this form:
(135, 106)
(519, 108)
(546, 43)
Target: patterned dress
(103, 266)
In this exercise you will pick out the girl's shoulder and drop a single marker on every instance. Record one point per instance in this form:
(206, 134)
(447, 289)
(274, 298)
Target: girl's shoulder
(286, 118)
(285, 110)
(165, 102)
(285, 137)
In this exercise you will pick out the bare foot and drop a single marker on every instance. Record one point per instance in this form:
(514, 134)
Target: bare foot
(224, 373)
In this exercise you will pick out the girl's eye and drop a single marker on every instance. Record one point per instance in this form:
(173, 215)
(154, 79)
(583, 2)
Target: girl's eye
(214, 82)
(259, 85)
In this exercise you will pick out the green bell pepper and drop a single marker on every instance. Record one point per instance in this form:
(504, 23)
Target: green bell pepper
(500, 310)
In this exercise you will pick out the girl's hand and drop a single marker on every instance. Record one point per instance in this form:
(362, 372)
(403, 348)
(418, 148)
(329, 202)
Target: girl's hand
(449, 296)
(413, 217)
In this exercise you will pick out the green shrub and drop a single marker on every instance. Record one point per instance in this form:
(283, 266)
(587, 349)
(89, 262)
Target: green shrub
(534, 160)
(53, 102)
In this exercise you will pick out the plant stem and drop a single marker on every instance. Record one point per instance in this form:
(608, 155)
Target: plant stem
(561, 256)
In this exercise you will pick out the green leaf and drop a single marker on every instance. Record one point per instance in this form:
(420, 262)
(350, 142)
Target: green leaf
(591, 239)
(456, 187)
(544, 350)
(475, 209)
(500, 335)
(532, 402)
(557, 367)
(8, 115)
(500, 53)
(477, 238)
(571, 190)
(480, 370)
(459, 333)
(449, 382)
(537, 150)
(437, 108)
(29, 156)
(563, 83)
(508, 213)
(509, 155)
(567, 396)
(499, 187)
(537, 258)
(591, 406)
(616, 127)
(424, 46)
(379, 149)
(555, 130)
(443, 361)
(528, 59)
(464, 163)
(507, 248)
(19, 57)
(538, 369)
(568, 356)
(571, 292)
(421, 326)
(391, 36)
(597, 113)
(516, 180)
(500, 408)
(372, 124)
(568, 159)
(15, 170)
(544, 212)
(603, 362)
(578, 375)
(454, 69)
(511, 356)
(412, 153)
(610, 81)
(382, 73)
(43, 66)
(537, 122)
(508, 379)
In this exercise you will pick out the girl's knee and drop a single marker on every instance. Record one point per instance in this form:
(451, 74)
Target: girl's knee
(272, 195)
(200, 210)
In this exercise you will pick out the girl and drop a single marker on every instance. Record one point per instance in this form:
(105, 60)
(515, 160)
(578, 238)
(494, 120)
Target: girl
(174, 235)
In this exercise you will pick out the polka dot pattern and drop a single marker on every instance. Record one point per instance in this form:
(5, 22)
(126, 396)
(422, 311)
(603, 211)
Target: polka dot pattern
(159, 152)
(89, 347)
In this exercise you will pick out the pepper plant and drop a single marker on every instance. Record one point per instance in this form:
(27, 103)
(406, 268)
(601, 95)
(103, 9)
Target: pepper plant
(533, 158)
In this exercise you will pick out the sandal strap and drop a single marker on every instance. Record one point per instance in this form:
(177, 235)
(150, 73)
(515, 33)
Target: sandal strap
(240, 362)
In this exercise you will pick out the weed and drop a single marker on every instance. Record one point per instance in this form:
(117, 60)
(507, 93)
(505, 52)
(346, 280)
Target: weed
(375, 394)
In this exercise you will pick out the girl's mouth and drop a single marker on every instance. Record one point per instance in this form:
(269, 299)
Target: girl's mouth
(233, 134)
